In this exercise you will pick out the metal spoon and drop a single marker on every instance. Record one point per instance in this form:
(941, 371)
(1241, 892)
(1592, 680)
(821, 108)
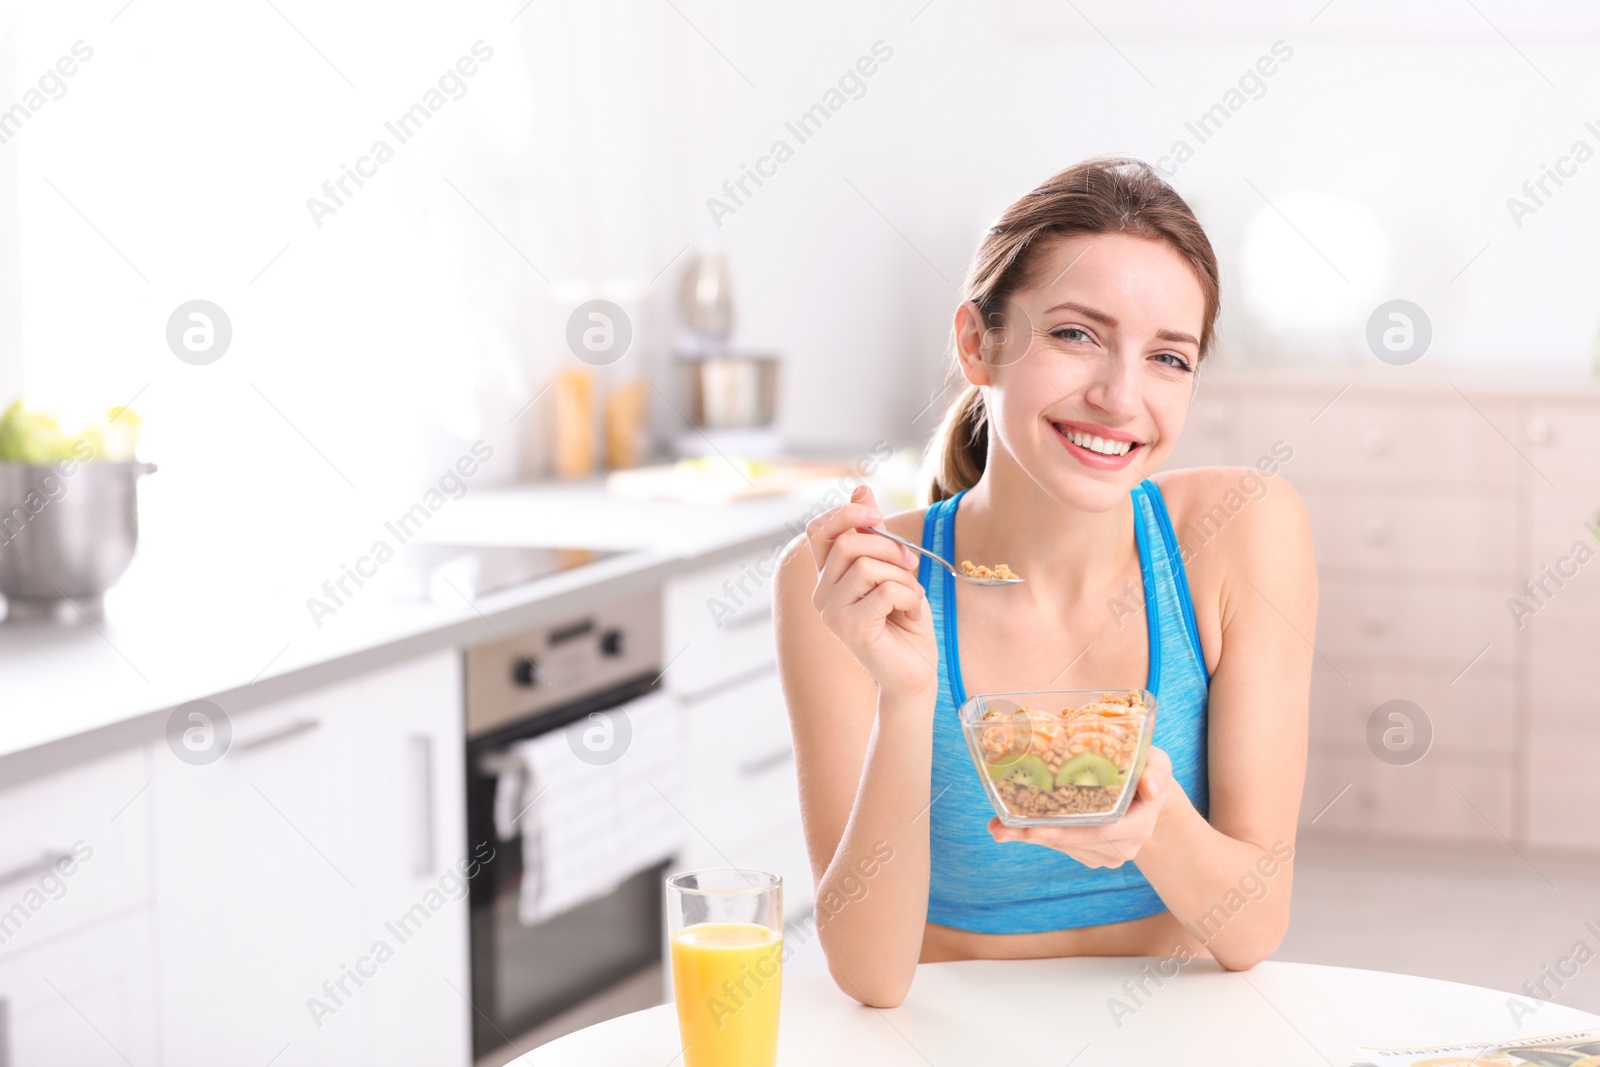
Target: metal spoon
(941, 561)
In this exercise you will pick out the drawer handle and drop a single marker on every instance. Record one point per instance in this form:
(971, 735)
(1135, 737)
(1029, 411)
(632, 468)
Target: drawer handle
(421, 756)
(294, 729)
(1375, 442)
(1376, 531)
(716, 689)
(767, 762)
(43, 864)
(1539, 431)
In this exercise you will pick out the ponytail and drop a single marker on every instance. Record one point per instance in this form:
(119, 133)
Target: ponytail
(960, 446)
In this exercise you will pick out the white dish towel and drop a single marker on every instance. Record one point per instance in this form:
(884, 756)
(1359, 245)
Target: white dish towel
(587, 826)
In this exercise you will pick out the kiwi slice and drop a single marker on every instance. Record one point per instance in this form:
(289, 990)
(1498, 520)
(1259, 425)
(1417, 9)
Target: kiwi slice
(1088, 768)
(1026, 769)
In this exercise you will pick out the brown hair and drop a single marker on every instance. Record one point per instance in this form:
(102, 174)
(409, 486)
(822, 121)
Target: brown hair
(1107, 194)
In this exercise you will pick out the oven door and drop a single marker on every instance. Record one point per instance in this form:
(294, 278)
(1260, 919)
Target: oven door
(525, 975)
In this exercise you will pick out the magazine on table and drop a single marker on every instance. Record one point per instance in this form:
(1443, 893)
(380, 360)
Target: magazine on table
(1573, 1048)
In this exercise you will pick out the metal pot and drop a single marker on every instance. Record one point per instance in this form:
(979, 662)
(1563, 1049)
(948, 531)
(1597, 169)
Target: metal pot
(67, 533)
(732, 390)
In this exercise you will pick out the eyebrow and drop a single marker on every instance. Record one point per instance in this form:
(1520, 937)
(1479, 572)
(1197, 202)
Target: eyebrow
(1106, 320)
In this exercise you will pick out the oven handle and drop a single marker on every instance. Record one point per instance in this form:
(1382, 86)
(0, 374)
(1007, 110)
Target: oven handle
(498, 763)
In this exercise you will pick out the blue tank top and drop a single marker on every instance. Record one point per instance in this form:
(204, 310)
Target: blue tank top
(979, 884)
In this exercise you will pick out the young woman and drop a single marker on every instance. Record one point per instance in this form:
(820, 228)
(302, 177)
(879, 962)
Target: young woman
(1087, 311)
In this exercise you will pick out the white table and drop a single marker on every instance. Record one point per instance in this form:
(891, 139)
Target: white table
(1055, 1012)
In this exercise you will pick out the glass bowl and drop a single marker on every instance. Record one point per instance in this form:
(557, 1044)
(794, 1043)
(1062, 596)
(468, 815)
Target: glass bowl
(1059, 757)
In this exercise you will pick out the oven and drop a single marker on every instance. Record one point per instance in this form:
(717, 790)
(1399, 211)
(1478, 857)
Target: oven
(520, 687)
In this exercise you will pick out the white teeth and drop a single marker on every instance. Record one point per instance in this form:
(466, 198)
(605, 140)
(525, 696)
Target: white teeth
(1098, 444)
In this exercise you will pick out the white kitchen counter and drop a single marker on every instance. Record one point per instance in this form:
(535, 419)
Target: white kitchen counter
(230, 624)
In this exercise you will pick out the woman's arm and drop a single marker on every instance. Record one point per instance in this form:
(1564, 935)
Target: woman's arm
(863, 749)
(1228, 881)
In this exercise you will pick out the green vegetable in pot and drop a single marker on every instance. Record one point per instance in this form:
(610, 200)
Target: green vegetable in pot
(35, 437)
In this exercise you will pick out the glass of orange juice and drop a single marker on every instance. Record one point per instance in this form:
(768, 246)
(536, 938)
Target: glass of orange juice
(725, 930)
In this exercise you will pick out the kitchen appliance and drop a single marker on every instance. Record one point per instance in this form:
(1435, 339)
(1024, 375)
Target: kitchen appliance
(65, 538)
(732, 395)
(732, 390)
(519, 687)
(445, 573)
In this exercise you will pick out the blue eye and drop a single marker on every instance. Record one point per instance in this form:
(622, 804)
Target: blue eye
(1172, 359)
(1070, 329)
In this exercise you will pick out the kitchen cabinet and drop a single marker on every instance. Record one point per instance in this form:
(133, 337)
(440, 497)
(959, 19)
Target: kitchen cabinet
(414, 857)
(1562, 440)
(85, 999)
(741, 795)
(718, 621)
(77, 951)
(1432, 504)
(282, 866)
(256, 892)
(76, 849)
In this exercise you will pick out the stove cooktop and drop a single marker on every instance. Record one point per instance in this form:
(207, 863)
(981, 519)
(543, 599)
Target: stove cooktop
(448, 573)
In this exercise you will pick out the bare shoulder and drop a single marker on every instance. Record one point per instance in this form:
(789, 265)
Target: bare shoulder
(1241, 505)
(907, 524)
(1245, 542)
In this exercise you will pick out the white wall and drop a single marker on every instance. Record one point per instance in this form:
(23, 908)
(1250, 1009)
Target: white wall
(1427, 118)
(424, 314)
(10, 279)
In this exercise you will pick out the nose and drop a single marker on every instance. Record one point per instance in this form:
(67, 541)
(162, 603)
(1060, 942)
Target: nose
(1115, 386)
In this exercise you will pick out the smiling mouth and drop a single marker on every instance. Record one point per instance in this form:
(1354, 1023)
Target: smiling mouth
(1102, 446)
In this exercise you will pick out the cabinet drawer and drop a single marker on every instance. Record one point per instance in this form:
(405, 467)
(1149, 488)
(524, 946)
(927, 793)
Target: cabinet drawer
(86, 999)
(1564, 670)
(781, 849)
(1562, 521)
(1425, 801)
(718, 622)
(1227, 429)
(76, 847)
(744, 803)
(1563, 441)
(1477, 712)
(1365, 441)
(742, 773)
(1383, 620)
(1563, 792)
(1414, 533)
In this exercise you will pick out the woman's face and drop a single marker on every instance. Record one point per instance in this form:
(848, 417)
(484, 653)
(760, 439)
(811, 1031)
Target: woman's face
(1091, 374)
